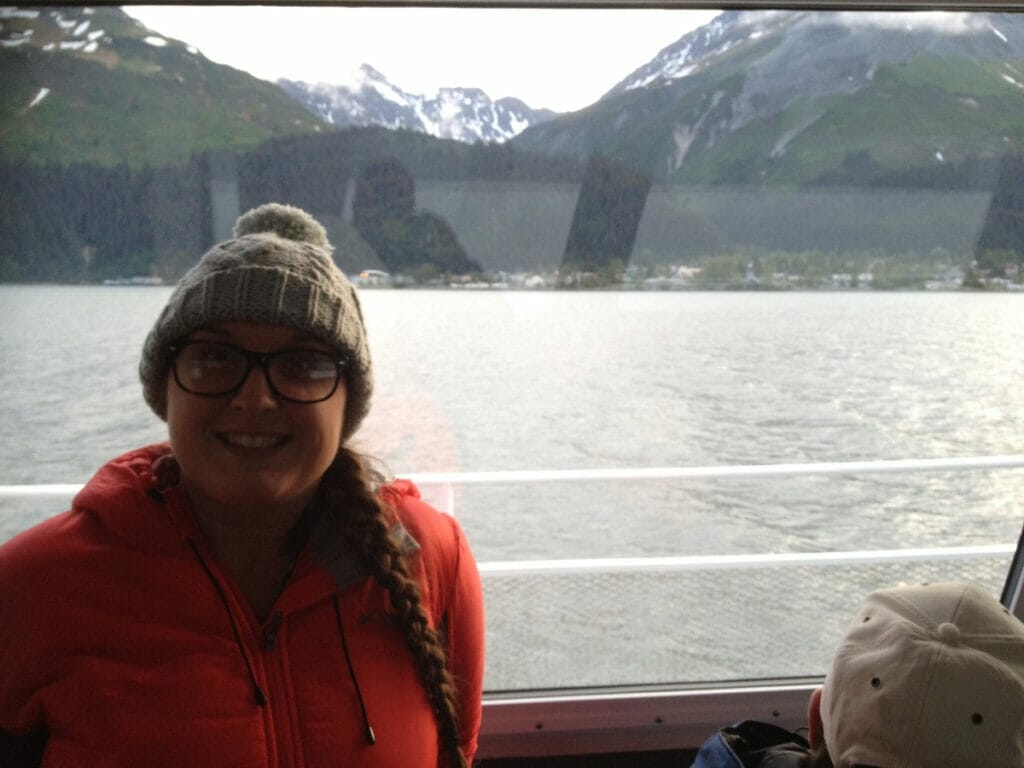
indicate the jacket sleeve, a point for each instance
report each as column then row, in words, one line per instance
column 26, row 631
column 465, row 624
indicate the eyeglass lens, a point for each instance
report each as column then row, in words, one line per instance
column 212, row 368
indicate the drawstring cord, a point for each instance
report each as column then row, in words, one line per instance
column 167, row 474
column 371, row 738
column 258, row 695
column 257, row 692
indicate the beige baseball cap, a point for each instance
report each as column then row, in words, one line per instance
column 928, row 676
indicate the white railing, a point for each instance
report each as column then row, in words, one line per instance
column 444, row 482
column 733, row 562
column 441, row 486
column 526, row 723
column 41, row 490
column 1009, row 461
column 446, row 479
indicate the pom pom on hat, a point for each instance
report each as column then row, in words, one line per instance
column 278, row 269
column 284, row 221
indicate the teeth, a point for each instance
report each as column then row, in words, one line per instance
column 253, row 441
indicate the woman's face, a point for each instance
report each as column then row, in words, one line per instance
column 249, row 451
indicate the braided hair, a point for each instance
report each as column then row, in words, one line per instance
column 348, row 489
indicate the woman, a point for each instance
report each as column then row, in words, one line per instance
column 248, row 594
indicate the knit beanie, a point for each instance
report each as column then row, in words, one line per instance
column 277, row 269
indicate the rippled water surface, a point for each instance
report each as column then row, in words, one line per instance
column 471, row 381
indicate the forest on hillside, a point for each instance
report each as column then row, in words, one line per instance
column 85, row 223
column 405, row 202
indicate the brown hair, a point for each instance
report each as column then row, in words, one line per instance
column 348, row 491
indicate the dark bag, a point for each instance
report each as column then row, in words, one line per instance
column 21, row 751
column 750, row 744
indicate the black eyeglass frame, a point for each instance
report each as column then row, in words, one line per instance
column 253, row 360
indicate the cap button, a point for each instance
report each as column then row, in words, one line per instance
column 949, row 633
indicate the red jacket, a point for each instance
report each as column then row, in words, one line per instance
column 125, row 641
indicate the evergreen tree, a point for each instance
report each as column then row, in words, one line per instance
column 384, row 212
column 1003, row 229
column 607, row 217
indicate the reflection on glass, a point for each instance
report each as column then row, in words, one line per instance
column 773, row 237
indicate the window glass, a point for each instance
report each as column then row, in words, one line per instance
column 698, row 351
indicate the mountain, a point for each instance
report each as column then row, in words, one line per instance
column 776, row 97
column 95, row 85
column 464, row 114
column 81, row 84
column 152, row 149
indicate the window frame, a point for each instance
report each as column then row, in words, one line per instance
column 649, row 718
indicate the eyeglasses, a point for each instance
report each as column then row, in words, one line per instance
column 213, row 369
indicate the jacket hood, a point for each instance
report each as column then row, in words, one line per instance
column 137, row 495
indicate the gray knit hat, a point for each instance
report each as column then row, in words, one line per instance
column 278, row 269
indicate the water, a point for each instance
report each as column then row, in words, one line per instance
column 472, row 381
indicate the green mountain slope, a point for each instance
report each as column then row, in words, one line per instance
column 925, row 116
column 788, row 100
column 114, row 93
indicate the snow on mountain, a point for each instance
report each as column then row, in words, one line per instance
column 366, row 98
column 369, row 98
column 813, row 52
column 74, row 34
column 786, row 56
column 758, row 96
column 73, row 29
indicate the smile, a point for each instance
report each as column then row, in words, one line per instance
column 243, row 440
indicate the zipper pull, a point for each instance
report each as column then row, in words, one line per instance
column 269, row 637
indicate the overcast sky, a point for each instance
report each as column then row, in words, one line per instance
column 561, row 59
